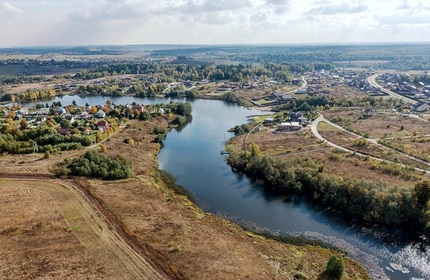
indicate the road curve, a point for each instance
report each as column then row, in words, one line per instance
column 314, row 129
column 372, row 81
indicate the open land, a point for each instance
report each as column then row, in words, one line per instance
column 146, row 228
column 182, row 241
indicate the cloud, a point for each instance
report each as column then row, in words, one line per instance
column 278, row 2
column 208, row 6
column 9, row 11
column 333, row 9
column 404, row 19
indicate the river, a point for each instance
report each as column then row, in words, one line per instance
column 192, row 155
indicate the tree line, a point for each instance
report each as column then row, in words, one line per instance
column 362, row 200
column 232, row 72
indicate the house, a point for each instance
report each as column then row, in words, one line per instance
column 421, row 107
column 268, row 121
column 289, row 126
column 61, row 111
column 84, row 115
column 40, row 120
column 102, row 125
column 303, row 120
column 368, row 113
column 87, row 131
column 100, row 114
column 138, row 107
column 281, row 97
column 22, row 112
column 296, row 115
column 70, row 118
column 43, row 111
column 63, row 131
column 302, row 91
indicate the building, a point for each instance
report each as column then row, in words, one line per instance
column 289, row 126
column 102, row 125
column 421, row 107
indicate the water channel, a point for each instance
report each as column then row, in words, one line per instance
column 192, row 156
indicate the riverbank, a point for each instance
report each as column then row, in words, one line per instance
column 169, row 229
column 189, row 242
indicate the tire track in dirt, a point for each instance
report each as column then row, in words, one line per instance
column 110, row 237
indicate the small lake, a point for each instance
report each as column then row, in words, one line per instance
column 192, row 155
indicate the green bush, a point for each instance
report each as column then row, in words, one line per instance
column 335, row 267
column 96, row 165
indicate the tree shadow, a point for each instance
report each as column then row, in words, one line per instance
column 326, row 276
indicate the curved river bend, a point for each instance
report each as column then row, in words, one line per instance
column 192, row 156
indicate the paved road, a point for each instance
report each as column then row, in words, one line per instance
column 372, row 81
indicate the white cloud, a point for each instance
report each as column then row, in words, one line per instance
column 77, row 22
column 342, row 8
column 9, row 11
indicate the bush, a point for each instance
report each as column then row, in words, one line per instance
column 335, row 267
column 159, row 138
column 96, row 165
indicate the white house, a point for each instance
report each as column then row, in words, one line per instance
column 289, row 126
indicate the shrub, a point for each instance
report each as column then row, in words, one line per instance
column 159, row 138
column 103, row 148
column 96, row 165
column 335, row 267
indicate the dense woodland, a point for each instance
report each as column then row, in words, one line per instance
column 194, row 72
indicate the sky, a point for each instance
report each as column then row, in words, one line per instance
column 122, row 22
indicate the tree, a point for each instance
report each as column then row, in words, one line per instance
column 47, row 155
column 23, row 124
column 255, row 150
column 144, row 116
column 421, row 195
column 103, row 148
column 184, row 109
column 335, row 267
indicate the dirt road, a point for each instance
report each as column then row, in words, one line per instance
column 96, row 230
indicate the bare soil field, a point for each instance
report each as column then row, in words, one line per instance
column 167, row 228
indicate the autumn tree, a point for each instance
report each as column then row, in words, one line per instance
column 23, row 124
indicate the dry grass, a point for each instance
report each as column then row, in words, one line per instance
column 180, row 237
column 43, row 235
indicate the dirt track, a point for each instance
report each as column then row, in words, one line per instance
column 95, row 232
